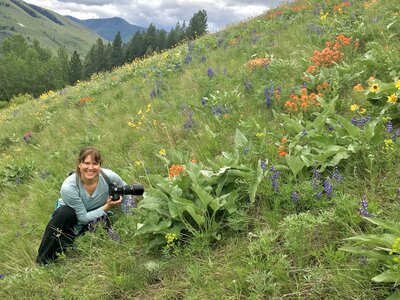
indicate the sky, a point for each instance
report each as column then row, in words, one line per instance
column 162, row 13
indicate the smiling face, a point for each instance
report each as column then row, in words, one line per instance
column 89, row 164
column 89, row 169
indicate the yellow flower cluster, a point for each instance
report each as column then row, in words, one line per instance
column 395, row 250
column 170, row 237
column 388, row 144
column 137, row 123
column 357, row 108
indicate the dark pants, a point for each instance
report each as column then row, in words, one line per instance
column 58, row 235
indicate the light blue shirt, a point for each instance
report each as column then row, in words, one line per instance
column 87, row 207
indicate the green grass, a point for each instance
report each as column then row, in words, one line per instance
column 49, row 34
column 282, row 249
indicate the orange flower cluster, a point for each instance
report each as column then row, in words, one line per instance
column 282, row 148
column 330, row 54
column 302, row 102
column 176, row 170
column 257, row 62
column 322, row 86
column 340, row 6
column 358, row 88
column 85, row 100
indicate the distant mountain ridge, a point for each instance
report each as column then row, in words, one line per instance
column 49, row 28
column 107, row 28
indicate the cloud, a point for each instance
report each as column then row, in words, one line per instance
column 162, row 13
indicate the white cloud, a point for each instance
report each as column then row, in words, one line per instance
column 162, row 13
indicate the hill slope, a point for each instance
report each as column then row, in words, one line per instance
column 49, row 28
column 261, row 148
column 108, row 28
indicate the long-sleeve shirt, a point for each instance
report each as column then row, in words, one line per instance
column 87, row 207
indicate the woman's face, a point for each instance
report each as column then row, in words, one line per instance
column 89, row 169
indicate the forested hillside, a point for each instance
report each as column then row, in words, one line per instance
column 269, row 152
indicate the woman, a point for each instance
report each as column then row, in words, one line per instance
column 84, row 198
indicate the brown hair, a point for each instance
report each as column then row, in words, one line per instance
column 85, row 152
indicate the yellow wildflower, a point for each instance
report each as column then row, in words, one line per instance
column 138, row 163
column 354, row 107
column 398, row 84
column 392, row 99
column 374, row 88
column 259, row 134
column 162, row 152
column 323, row 16
column 148, row 109
column 388, row 144
column 362, row 111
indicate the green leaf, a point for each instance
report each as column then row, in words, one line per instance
column 240, row 140
column 186, row 205
column 385, row 240
column 258, row 175
column 296, row 164
column 204, row 196
column 388, row 276
column 385, row 224
column 352, row 130
column 377, row 254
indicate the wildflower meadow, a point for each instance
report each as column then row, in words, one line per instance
column 269, row 152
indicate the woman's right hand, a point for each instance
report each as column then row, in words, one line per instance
column 111, row 203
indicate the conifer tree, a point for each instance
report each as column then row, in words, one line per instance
column 74, row 68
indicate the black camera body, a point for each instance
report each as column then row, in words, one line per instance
column 116, row 191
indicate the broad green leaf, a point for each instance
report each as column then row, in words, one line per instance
column 186, row 205
column 240, row 140
column 388, row 276
column 395, row 227
column 385, row 240
column 258, row 175
column 379, row 255
column 352, row 130
column 296, row 164
column 204, row 196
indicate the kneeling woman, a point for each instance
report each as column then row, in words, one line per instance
column 84, row 198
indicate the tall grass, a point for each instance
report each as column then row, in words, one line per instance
column 188, row 103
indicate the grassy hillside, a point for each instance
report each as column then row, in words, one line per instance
column 49, row 28
column 262, row 148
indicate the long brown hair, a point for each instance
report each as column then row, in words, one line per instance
column 85, row 152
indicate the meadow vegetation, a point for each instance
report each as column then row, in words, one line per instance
column 269, row 152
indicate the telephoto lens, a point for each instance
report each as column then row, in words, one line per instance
column 134, row 189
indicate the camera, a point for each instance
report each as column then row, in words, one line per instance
column 116, row 191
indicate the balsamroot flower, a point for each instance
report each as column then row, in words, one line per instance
column 392, row 99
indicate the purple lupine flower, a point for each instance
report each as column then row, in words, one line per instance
column 128, row 204
column 188, row 58
column 315, row 178
column 203, row 59
column 318, row 195
column 113, row 235
column 363, row 210
column 263, row 165
column 189, row 123
column 389, row 127
column 147, row 170
column 2, row 276
column 210, row 72
column 203, row 100
column 295, row 197
column 336, row 175
column 275, row 178
column 246, row 150
column 328, row 188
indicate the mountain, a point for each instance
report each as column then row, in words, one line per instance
column 49, row 28
column 108, row 28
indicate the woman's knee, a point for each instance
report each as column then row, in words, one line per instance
column 65, row 214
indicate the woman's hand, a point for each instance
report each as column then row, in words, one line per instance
column 111, row 203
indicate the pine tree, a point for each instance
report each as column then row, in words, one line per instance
column 75, row 68
column 197, row 25
column 117, row 58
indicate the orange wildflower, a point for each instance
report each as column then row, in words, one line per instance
column 176, row 170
